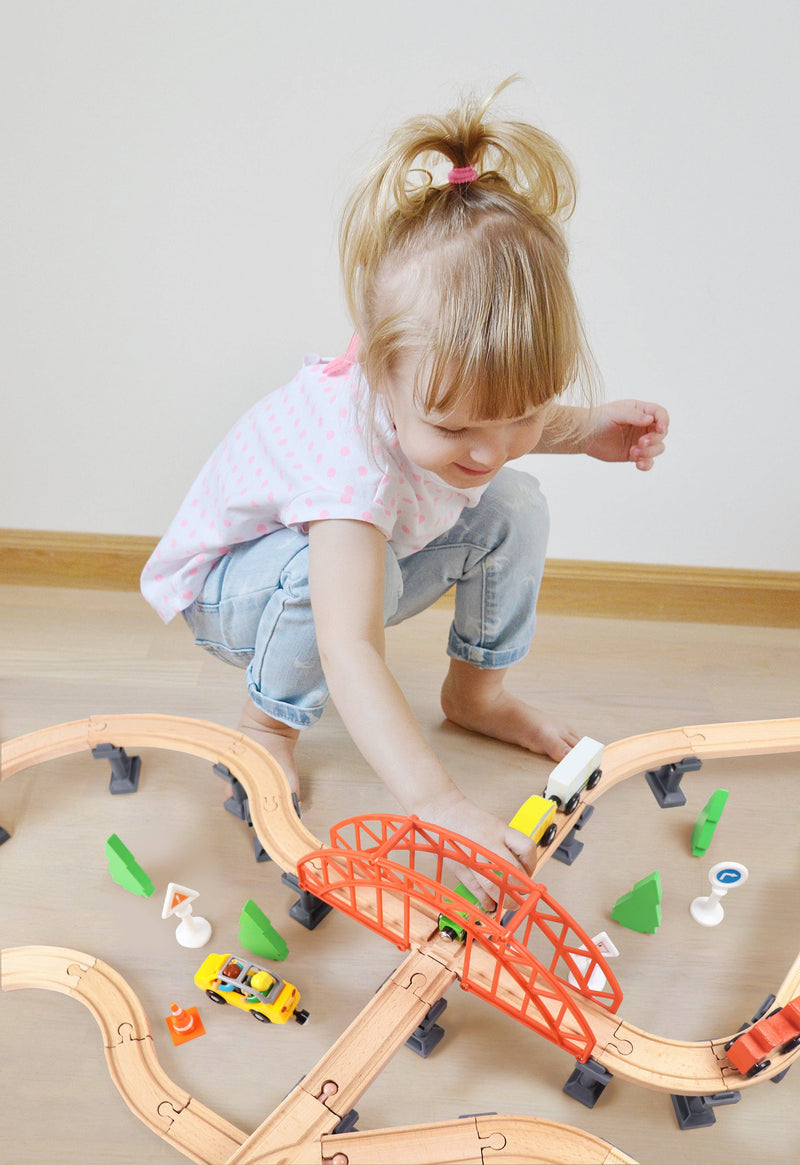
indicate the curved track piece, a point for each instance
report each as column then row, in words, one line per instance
column 201, row 1135
column 130, row 1054
column 675, row 1066
column 649, row 750
column 277, row 825
column 518, row 1140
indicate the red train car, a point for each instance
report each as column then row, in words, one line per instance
column 779, row 1031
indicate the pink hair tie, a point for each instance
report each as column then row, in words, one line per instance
column 460, row 175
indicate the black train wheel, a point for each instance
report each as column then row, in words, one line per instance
column 594, row 778
column 548, row 834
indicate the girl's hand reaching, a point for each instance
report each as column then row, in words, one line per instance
column 627, row 430
column 453, row 810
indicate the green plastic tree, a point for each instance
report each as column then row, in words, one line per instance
column 640, row 908
column 125, row 870
column 258, row 935
column 706, row 822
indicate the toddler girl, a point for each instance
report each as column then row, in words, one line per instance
column 358, row 494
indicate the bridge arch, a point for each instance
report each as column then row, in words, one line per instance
column 386, row 870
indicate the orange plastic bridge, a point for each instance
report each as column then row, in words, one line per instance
column 374, row 870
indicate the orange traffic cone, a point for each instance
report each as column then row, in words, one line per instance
column 184, row 1024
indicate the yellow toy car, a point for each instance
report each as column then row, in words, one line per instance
column 535, row 819
column 268, row 998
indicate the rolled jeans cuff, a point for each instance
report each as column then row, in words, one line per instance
column 288, row 714
column 484, row 657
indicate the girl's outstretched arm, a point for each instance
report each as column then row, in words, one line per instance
column 621, row 430
column 346, row 578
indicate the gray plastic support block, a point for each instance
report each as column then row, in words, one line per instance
column 238, row 805
column 665, row 782
column 124, row 769
column 697, row 1112
column 308, row 910
column 570, row 847
column 588, row 1082
column 348, row 1123
column 428, row 1033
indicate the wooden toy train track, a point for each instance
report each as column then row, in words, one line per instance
column 301, row 1128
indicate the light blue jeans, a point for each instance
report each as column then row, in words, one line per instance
column 254, row 609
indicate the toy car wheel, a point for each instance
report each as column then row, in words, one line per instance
column 594, row 778
column 212, row 995
column 757, row 1069
column 260, row 1017
column 548, row 834
column 572, row 804
column 554, row 798
column 447, row 932
column 790, row 1045
column 301, row 1016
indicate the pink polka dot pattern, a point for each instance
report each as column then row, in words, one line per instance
column 257, row 481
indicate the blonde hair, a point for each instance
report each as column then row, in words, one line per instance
column 470, row 275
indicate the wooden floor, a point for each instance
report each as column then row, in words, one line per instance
column 65, row 655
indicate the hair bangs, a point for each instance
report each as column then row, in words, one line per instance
column 505, row 337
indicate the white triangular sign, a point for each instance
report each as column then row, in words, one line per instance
column 177, row 896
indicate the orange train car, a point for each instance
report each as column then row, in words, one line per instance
column 779, row 1031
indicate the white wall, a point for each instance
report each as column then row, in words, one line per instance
column 174, row 173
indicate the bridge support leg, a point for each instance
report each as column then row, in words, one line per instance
column 308, row 910
column 665, row 782
column 697, row 1112
column 588, row 1082
column 428, row 1033
column 348, row 1123
column 124, row 769
column 570, row 846
column 238, row 805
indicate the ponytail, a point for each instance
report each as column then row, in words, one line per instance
column 473, row 207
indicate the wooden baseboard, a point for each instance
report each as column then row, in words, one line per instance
column 44, row 558
column 570, row 587
column 685, row 594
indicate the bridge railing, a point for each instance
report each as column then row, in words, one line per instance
column 388, row 872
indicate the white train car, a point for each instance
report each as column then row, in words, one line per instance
column 579, row 770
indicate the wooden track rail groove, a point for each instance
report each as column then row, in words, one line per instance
column 274, row 819
column 130, row 1054
column 525, row 1140
column 287, row 1136
column 302, row 1123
